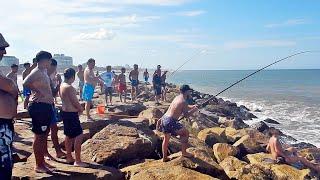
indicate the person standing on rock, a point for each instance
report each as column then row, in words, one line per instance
column 71, row 109
column 26, row 92
column 289, row 155
column 169, row 124
column 13, row 73
column 55, row 86
column 163, row 86
column 40, row 108
column 146, row 76
column 122, row 85
column 90, row 82
column 81, row 79
column 134, row 79
column 8, row 110
column 156, row 80
column 108, row 81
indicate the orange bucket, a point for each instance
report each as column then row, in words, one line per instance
column 101, row 109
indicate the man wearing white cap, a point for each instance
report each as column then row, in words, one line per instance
column 8, row 110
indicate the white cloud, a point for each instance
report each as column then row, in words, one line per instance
column 143, row 2
column 290, row 22
column 190, row 13
column 262, row 43
column 102, row 34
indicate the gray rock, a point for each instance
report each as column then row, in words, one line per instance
column 271, row 121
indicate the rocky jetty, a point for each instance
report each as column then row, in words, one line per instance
column 122, row 144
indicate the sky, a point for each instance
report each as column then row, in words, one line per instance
column 246, row 34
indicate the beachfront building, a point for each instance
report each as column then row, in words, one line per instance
column 63, row 60
column 7, row 61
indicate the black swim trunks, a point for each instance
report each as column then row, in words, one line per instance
column 41, row 115
column 170, row 125
column 6, row 138
column 157, row 90
column 71, row 124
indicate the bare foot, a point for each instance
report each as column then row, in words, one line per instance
column 187, row 155
column 165, row 159
column 61, row 155
column 89, row 119
column 48, row 165
column 70, row 161
column 42, row 170
column 81, row 164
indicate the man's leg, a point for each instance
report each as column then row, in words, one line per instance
column 39, row 149
column 184, row 137
column 125, row 96
column 55, row 140
column 77, row 149
column 106, row 98
column 80, row 94
column 165, row 144
column 120, row 96
column 110, row 96
column 137, row 92
column 87, row 108
column 69, row 143
column 26, row 102
column 132, row 91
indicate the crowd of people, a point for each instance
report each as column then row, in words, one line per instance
column 42, row 83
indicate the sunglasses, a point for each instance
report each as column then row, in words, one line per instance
column 2, row 48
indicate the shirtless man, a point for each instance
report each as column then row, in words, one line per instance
column 134, row 79
column 81, row 80
column 71, row 109
column 26, row 92
column 169, row 124
column 122, row 87
column 8, row 110
column 90, row 82
column 40, row 108
column 13, row 74
column 146, row 76
column 51, row 71
column 290, row 155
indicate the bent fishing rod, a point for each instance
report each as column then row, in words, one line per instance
column 204, row 50
column 296, row 54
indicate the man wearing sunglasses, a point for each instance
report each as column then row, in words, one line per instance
column 8, row 109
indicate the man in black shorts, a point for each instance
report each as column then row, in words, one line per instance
column 8, row 110
column 71, row 109
column 40, row 108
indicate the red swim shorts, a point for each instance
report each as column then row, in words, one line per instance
column 122, row 87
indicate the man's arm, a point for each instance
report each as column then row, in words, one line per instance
column 73, row 98
column 8, row 86
column 130, row 76
column 187, row 111
column 279, row 149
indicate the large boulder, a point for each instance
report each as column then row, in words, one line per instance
column 201, row 163
column 247, row 145
column 25, row 170
column 279, row 171
column 117, row 144
column 234, row 135
column 213, row 135
column 222, row 151
column 236, row 169
column 260, row 126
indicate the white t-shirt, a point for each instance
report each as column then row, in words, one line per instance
column 107, row 77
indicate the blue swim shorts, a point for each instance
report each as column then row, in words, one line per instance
column 26, row 92
column 87, row 92
column 134, row 83
column 170, row 125
column 55, row 118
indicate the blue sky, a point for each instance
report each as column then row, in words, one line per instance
column 244, row 34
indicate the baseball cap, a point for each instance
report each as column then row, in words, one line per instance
column 3, row 42
column 185, row 88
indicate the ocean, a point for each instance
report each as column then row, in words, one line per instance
column 291, row 97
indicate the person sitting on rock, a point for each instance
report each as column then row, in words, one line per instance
column 71, row 108
column 289, row 155
column 169, row 124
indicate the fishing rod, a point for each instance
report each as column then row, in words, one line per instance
column 204, row 50
column 207, row 101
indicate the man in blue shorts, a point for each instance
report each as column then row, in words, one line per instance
column 157, row 86
column 26, row 92
column 90, row 82
column 169, row 124
column 134, row 78
column 8, row 109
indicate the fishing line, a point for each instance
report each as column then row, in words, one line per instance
column 204, row 50
column 207, row 101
